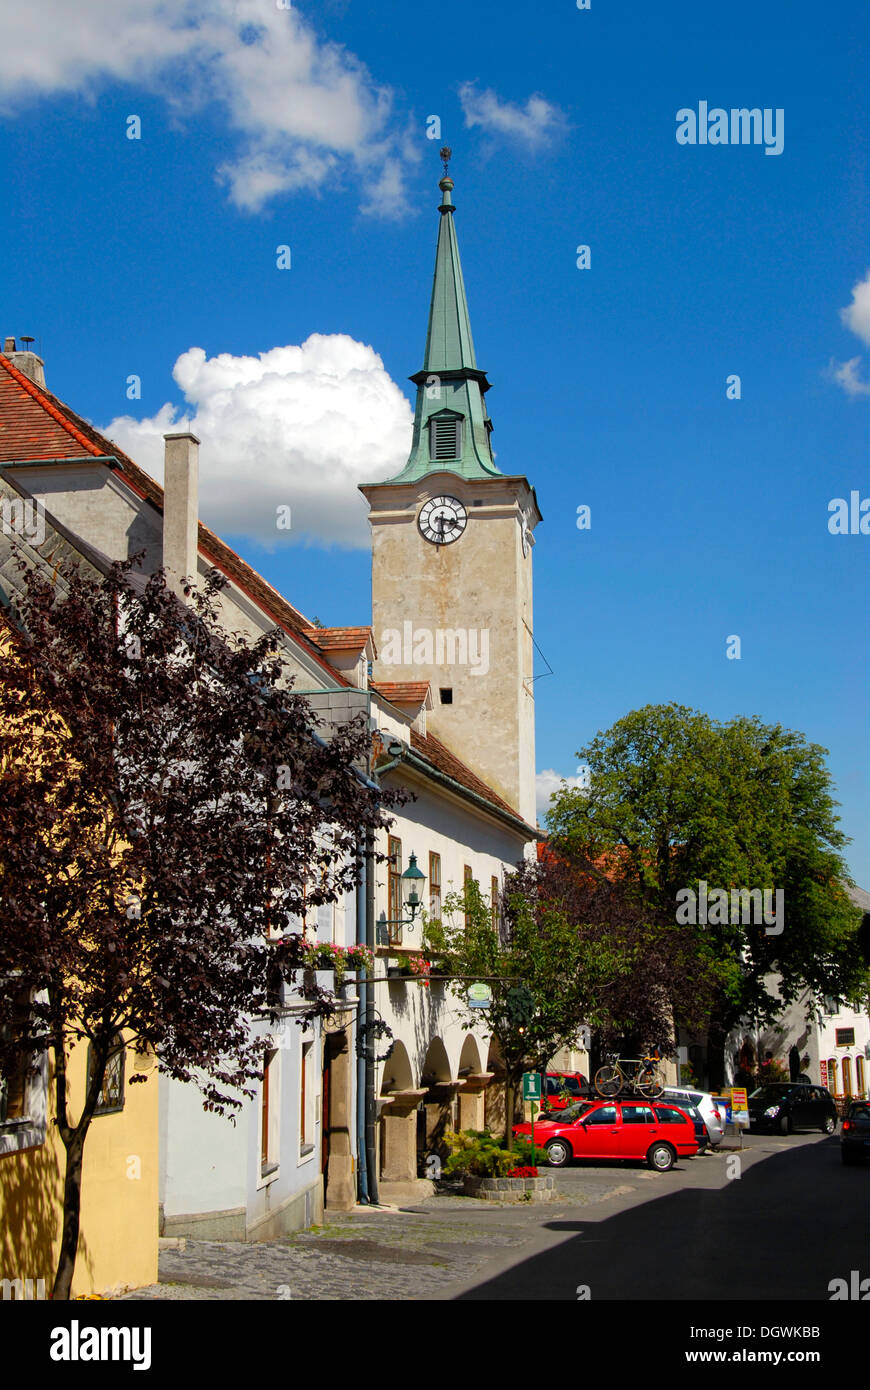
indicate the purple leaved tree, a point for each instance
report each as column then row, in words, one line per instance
column 166, row 809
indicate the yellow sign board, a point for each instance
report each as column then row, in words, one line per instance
column 739, row 1106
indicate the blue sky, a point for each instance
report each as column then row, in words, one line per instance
column 263, row 127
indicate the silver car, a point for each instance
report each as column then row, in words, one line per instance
column 704, row 1102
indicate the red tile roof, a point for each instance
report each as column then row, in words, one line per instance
column 340, row 639
column 32, row 423
column 402, row 692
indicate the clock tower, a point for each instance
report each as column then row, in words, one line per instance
column 452, row 540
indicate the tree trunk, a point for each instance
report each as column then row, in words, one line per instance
column 72, row 1201
column 508, row 1111
column 74, row 1143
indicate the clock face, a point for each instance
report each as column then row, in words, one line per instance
column 442, row 520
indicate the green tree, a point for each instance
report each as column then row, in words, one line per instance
column 676, row 798
column 568, row 948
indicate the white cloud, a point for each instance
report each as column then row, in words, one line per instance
column 534, row 124
column 297, row 426
column 848, row 375
column 306, row 110
column 548, row 782
column 856, row 315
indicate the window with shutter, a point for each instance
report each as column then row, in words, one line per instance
column 445, row 437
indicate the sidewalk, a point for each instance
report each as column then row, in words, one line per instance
column 377, row 1253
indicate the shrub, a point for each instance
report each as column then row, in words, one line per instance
column 527, row 1155
column 477, row 1152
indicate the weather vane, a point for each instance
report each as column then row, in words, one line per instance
column 445, row 153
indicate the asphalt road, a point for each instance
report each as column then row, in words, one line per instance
column 794, row 1219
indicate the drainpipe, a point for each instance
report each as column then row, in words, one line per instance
column 362, row 1165
column 370, row 1102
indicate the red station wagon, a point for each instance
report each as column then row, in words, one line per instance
column 658, row 1132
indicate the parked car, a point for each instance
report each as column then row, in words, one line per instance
column 787, row 1106
column 704, row 1102
column 697, row 1119
column 721, row 1105
column 605, row 1129
column 563, row 1088
column 855, row 1134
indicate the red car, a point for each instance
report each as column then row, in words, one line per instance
column 627, row 1129
column 563, row 1088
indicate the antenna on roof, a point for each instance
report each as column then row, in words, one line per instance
column 25, row 339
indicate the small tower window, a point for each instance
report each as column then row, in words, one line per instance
column 446, row 695
column 445, row 437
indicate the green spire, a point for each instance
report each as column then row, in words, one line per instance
column 451, row 422
column 448, row 339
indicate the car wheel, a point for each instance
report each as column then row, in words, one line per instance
column 661, row 1157
column 558, row 1153
column 829, row 1126
column 785, row 1125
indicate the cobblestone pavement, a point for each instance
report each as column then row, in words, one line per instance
column 387, row 1253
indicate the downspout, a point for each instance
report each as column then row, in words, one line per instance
column 361, row 934
column 371, row 1105
column 370, row 1047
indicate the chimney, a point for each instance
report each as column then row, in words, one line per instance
column 180, row 509
column 26, row 361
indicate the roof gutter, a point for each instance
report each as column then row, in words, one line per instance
column 427, row 770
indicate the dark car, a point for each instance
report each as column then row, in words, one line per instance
column 787, row 1106
column 855, row 1134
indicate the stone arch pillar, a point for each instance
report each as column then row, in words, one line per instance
column 472, row 1097
column 399, row 1102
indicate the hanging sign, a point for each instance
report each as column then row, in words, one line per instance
column 479, row 996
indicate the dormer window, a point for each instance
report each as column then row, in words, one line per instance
column 445, row 436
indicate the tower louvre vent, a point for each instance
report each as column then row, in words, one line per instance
column 445, row 437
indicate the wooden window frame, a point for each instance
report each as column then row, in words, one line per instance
column 269, row 1145
column 394, row 889
column 306, row 1102
column 434, row 885
column 119, row 1059
column 467, row 877
column 27, row 1130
